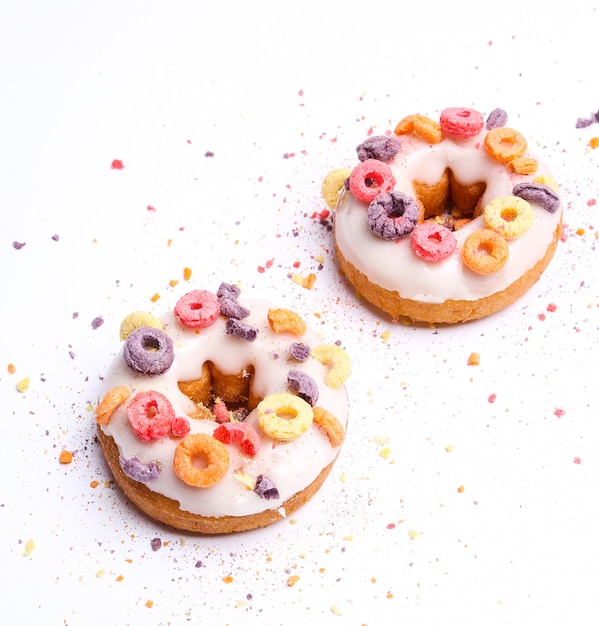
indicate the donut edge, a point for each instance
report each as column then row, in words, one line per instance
column 450, row 311
column 166, row 510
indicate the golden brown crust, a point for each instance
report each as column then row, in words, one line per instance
column 450, row 311
column 167, row 511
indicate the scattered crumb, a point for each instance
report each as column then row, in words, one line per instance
column 413, row 534
column 11, row 369
column 449, row 448
column 461, row 489
column 385, row 336
column 227, row 579
column 155, row 297
column 116, row 164
column 335, row 610
column 65, row 457
column 149, row 603
column 187, row 273
column 29, row 547
column 23, row 384
column 474, row 358
column 292, row 580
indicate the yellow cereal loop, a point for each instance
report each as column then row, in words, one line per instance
column 338, row 359
column 330, row 424
column 136, row 320
column 284, row 320
column 284, row 417
column 547, row 180
column 332, row 185
column 509, row 216
column 110, row 403
column 201, row 445
column 485, row 251
column 505, row 144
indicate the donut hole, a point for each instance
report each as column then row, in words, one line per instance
column 150, row 344
column 214, row 385
column 485, row 249
column 199, row 460
column 449, row 199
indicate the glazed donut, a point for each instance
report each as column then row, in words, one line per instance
column 242, row 425
column 467, row 175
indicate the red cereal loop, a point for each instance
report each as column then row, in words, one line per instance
column 460, row 122
column 240, row 433
column 150, row 414
column 369, row 178
column 197, row 309
column 432, row 241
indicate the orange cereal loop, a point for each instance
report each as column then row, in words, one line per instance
column 523, row 165
column 485, row 251
column 195, row 447
column 424, row 127
column 330, row 424
column 505, row 144
column 112, row 400
column 284, row 320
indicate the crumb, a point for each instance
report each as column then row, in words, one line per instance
column 116, row 164
column 23, row 384
column 292, row 580
column 413, row 534
column 29, row 547
column 187, row 273
column 97, row 322
column 461, row 489
column 65, row 457
column 149, row 603
column 155, row 297
column 17, row 245
column 474, row 358
column 94, row 484
column 11, row 369
column 227, row 579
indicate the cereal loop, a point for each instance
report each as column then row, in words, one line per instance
column 333, row 184
column 485, row 251
column 432, row 241
column 337, row 358
column 110, row 403
column 508, row 216
column 150, row 414
column 136, row 320
column 274, row 410
column 460, row 122
column 504, row 144
column 198, row 446
column 523, row 165
column 197, row 309
column 330, row 424
column 284, row 320
column 240, row 434
column 422, row 126
column 369, row 178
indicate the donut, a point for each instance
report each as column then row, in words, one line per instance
column 468, row 174
column 222, row 423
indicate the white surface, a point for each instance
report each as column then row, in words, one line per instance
column 157, row 85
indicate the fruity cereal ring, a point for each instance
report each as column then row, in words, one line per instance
column 197, row 309
column 196, row 446
column 331, row 354
column 485, row 251
column 461, row 122
column 369, row 178
column 150, row 414
column 330, row 424
column 279, row 428
column 508, row 216
column 432, row 241
column 505, row 144
column 332, row 184
column 284, row 320
column 110, row 403
column 422, row 126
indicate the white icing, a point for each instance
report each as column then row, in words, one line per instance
column 291, row 466
column 394, row 265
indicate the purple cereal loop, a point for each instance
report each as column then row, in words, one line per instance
column 226, row 290
column 541, row 194
column 380, row 147
column 141, row 472
column 303, row 386
column 148, row 351
column 232, row 308
column 299, row 351
column 265, row 488
column 497, row 118
column 240, row 330
column 393, row 215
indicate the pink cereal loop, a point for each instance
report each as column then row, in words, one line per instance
column 197, row 309
column 369, row 178
column 150, row 415
column 461, row 122
column 432, row 241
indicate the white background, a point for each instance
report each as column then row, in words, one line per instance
column 282, row 93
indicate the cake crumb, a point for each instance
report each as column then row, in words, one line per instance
column 187, row 271
column 11, row 369
column 292, row 580
column 29, row 547
column 335, row 610
column 413, row 534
